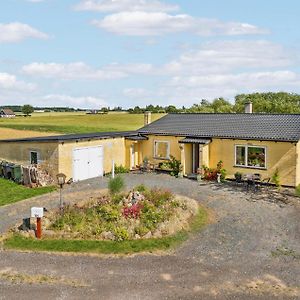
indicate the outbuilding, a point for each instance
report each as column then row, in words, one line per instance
column 7, row 113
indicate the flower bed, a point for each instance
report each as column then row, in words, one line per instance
column 139, row 214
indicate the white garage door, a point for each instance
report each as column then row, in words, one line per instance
column 87, row 163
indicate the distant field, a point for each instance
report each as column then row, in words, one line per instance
column 77, row 122
column 8, row 133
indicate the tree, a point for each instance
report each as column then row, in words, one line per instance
column 104, row 110
column 220, row 105
column 27, row 109
column 269, row 102
column 171, row 109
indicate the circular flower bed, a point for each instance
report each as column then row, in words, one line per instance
column 141, row 213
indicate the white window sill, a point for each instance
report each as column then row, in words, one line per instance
column 250, row 167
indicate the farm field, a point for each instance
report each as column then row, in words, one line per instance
column 8, row 133
column 76, row 122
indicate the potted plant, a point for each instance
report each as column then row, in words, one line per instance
column 199, row 174
column 238, row 176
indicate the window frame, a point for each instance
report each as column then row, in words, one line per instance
column 37, row 156
column 246, row 156
column 168, row 150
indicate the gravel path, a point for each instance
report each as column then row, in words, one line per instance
column 230, row 259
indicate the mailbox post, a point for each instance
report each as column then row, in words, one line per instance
column 38, row 213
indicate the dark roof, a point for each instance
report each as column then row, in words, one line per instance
column 278, row 127
column 191, row 140
column 7, row 111
column 74, row 137
column 136, row 138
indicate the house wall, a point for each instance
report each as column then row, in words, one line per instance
column 147, row 147
column 281, row 155
column 113, row 149
column 19, row 153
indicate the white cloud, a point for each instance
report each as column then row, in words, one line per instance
column 82, row 71
column 224, row 56
column 16, row 32
column 71, row 71
column 67, row 100
column 190, row 89
column 141, row 23
column 35, row 1
column 125, row 5
column 10, row 82
column 135, row 92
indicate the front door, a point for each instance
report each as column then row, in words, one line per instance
column 195, row 158
column 132, row 157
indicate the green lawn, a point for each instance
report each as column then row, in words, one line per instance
column 106, row 247
column 11, row 192
column 77, row 122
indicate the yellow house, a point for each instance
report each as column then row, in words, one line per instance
column 247, row 143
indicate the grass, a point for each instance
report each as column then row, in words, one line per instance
column 77, row 122
column 11, row 192
column 107, row 247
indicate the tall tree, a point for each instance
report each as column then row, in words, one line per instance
column 27, row 109
column 269, row 102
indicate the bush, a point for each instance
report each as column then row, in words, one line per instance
column 141, row 230
column 275, row 178
column 212, row 173
column 121, row 169
column 120, row 233
column 109, row 213
column 297, row 191
column 115, row 185
column 158, row 196
column 173, row 164
column 141, row 188
column 151, row 216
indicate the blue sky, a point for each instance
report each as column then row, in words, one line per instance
column 93, row 53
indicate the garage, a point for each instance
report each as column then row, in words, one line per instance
column 87, row 162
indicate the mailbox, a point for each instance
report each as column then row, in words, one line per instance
column 37, row 212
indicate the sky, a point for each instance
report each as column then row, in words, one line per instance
column 95, row 53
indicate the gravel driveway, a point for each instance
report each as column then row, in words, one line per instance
column 251, row 251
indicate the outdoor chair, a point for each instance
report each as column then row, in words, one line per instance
column 253, row 181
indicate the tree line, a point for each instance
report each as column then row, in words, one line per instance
column 262, row 103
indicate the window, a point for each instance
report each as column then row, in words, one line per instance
column 250, row 156
column 161, row 150
column 33, row 158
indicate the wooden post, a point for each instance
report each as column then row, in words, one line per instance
column 38, row 228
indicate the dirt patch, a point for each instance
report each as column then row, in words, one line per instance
column 16, row 277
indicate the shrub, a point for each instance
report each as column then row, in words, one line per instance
column 151, row 216
column 173, row 164
column 212, row 173
column 115, row 185
column 132, row 212
column 158, row 196
column 141, row 230
column 120, row 233
column 275, row 178
column 109, row 213
column 121, row 169
column 297, row 191
column 141, row 188
column 117, row 198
